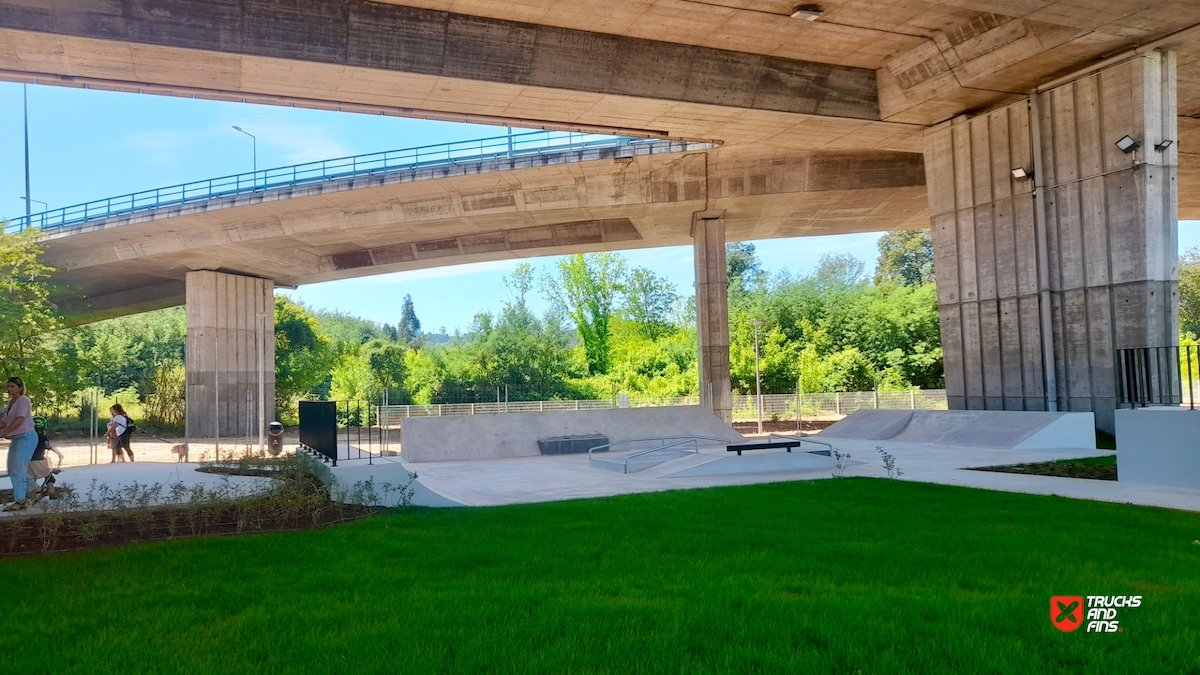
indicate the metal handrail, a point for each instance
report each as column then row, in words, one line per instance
column 530, row 144
column 798, row 438
column 662, row 439
column 679, row 440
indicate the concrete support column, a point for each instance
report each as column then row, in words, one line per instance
column 226, row 314
column 712, row 316
column 1059, row 271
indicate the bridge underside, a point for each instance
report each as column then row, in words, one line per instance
column 824, row 125
column 374, row 225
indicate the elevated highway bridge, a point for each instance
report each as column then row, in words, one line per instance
column 1056, row 140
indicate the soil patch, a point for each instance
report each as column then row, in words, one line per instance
column 781, row 427
column 1093, row 468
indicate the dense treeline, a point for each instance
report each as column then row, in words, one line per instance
column 609, row 328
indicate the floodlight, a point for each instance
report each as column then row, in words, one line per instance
column 1164, row 145
column 1020, row 173
column 807, row 12
column 1127, row 145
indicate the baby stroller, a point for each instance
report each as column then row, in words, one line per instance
column 39, row 466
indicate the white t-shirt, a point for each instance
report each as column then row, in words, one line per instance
column 121, row 423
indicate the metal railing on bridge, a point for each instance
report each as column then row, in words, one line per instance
column 507, row 147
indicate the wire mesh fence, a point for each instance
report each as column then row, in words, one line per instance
column 775, row 406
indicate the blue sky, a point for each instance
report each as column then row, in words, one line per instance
column 87, row 144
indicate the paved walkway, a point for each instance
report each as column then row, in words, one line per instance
column 145, row 474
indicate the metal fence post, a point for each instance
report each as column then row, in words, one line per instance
column 912, row 399
column 837, row 403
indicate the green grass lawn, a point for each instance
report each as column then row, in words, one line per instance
column 833, row 576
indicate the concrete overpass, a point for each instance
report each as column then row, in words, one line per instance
column 1040, row 279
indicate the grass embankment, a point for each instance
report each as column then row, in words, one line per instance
column 844, row 576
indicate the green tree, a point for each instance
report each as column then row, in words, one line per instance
column 649, row 301
column 1189, row 291
column 905, row 257
column 410, row 326
column 27, row 319
column 742, row 267
column 387, row 363
column 304, row 356
column 587, row 287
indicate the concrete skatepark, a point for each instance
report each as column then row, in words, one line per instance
column 475, row 480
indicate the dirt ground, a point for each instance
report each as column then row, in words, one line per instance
column 781, row 427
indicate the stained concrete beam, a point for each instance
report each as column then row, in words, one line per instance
column 359, row 33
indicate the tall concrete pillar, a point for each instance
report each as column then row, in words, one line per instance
column 1042, row 279
column 712, row 316
column 226, row 315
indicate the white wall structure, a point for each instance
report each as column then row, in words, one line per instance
column 1059, row 270
column 432, row 439
column 1159, row 446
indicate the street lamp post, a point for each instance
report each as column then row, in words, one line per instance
column 28, row 202
column 45, row 206
column 254, row 146
column 757, row 378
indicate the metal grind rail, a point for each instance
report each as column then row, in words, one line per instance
column 675, row 441
column 773, row 436
column 515, row 146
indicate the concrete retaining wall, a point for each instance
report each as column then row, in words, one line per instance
column 434, row 439
column 1159, row 446
column 970, row 428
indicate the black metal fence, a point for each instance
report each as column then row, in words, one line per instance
column 318, row 428
column 342, row 430
column 1157, row 376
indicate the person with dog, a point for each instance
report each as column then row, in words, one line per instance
column 121, row 427
column 17, row 426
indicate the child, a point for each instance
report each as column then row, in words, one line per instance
column 39, row 466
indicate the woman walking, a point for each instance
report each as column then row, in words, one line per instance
column 122, row 430
column 17, row 426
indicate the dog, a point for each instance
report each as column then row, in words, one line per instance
column 180, row 449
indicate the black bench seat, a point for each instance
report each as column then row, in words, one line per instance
column 775, row 445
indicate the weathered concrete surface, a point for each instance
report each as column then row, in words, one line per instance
column 1158, row 446
column 470, row 437
column 1111, row 240
column 223, row 331
column 995, row 429
column 712, row 315
column 497, row 210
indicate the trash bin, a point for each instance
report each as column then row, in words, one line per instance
column 275, row 438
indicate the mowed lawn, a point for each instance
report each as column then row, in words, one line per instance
column 832, row 576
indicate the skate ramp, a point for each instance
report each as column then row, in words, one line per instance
column 994, row 429
column 470, row 437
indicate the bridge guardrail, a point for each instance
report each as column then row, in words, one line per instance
column 515, row 146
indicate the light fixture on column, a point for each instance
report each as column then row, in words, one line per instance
column 1128, row 145
column 1021, row 174
column 1163, row 145
column 807, row 12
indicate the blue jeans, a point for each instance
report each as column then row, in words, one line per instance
column 20, row 452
